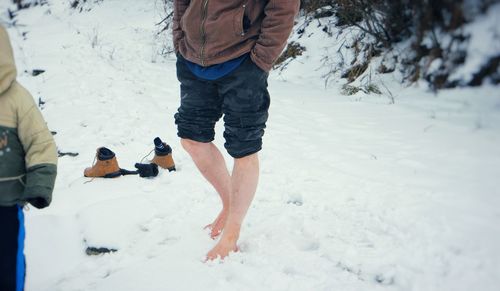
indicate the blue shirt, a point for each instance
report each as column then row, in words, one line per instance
column 217, row 71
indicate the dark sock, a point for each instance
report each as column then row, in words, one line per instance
column 105, row 154
column 147, row 170
column 161, row 148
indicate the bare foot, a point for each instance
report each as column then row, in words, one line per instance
column 217, row 226
column 226, row 244
column 222, row 249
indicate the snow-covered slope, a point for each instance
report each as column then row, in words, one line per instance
column 356, row 193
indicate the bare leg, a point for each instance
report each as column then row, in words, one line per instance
column 212, row 166
column 244, row 181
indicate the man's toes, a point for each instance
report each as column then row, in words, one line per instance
column 211, row 256
column 215, row 233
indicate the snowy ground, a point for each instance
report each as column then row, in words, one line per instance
column 355, row 194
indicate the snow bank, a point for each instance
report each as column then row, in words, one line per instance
column 356, row 193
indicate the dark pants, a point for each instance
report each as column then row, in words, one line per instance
column 12, row 263
column 241, row 96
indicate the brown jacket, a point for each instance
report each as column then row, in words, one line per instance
column 209, row 32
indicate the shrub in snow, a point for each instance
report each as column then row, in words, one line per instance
column 447, row 43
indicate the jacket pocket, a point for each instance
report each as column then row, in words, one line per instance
column 239, row 20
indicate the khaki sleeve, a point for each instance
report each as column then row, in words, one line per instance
column 40, row 151
column 7, row 65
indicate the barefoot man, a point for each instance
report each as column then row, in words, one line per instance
column 225, row 50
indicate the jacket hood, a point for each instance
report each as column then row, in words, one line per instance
column 7, row 66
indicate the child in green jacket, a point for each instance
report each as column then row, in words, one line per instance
column 28, row 166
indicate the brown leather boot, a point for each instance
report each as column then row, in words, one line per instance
column 106, row 165
column 163, row 155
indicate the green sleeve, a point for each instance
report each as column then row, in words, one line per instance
column 40, row 151
column 40, row 180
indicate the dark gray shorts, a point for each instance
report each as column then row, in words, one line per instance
column 241, row 96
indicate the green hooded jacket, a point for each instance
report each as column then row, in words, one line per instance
column 28, row 155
